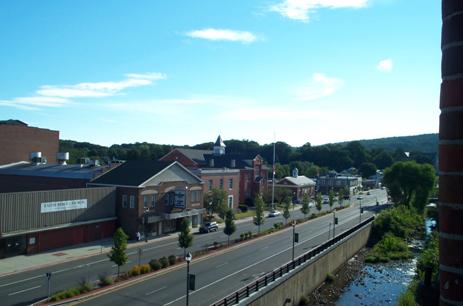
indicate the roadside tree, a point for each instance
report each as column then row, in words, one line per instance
column 215, row 201
column 331, row 198
column 259, row 217
column 318, row 202
column 286, row 213
column 118, row 253
column 185, row 238
column 305, row 209
column 230, row 226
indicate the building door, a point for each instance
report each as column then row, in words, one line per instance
column 13, row 246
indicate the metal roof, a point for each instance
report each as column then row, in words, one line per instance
column 53, row 170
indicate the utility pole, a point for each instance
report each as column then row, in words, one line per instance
column 273, row 175
column 294, row 237
column 361, row 211
column 48, row 275
column 139, row 255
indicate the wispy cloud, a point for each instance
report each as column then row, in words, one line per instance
column 301, row 9
column 320, row 86
column 266, row 114
column 60, row 95
column 223, row 35
column 385, row 65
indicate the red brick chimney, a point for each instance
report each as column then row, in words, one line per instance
column 451, row 155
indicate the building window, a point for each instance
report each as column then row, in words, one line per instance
column 221, row 183
column 196, row 196
column 210, row 184
column 132, row 201
column 180, row 198
column 230, row 183
column 145, row 201
column 124, row 201
column 230, row 201
column 169, row 198
column 153, row 201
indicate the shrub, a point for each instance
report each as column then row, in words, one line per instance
column 164, row 262
column 243, row 208
column 105, row 280
column 249, row 234
column 85, row 286
column 389, row 248
column 155, row 264
column 242, row 236
column 313, row 216
column 278, row 225
column 172, row 260
column 329, row 278
column 145, row 268
column 134, row 271
column 304, row 301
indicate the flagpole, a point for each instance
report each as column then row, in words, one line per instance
column 273, row 176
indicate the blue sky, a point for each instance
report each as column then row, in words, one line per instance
column 182, row 72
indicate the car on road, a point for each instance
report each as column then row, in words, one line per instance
column 368, row 193
column 209, row 227
column 274, row 213
column 359, row 198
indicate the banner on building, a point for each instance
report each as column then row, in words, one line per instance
column 63, row 205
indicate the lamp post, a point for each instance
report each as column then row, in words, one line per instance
column 144, row 223
column 361, row 211
column 294, row 237
column 335, row 221
column 188, row 259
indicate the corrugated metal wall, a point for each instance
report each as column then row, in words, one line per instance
column 20, row 211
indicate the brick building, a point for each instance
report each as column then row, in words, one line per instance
column 247, row 175
column 298, row 185
column 18, row 141
column 153, row 197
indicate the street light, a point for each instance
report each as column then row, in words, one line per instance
column 188, row 259
column 361, row 211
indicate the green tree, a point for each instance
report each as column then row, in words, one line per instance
column 341, row 194
column 185, row 238
column 259, row 217
column 318, row 202
column 410, row 184
column 117, row 253
column 305, row 209
column 215, row 201
column 286, row 213
column 230, row 226
column 367, row 169
column 331, row 198
column 383, row 160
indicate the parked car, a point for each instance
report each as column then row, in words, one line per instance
column 209, row 227
column 274, row 213
column 368, row 193
column 359, row 198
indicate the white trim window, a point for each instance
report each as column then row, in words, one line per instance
column 230, row 201
column 230, row 183
column 132, row 201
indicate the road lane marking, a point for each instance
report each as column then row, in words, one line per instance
column 22, row 280
column 221, row 265
column 154, row 291
column 21, row 291
column 245, row 268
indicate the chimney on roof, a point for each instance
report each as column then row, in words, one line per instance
column 62, row 158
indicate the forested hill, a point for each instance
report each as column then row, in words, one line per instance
column 380, row 153
column 425, row 143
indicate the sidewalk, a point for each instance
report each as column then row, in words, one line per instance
column 22, row 263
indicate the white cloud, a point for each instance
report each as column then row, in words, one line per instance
column 34, row 103
column 385, row 65
column 268, row 113
column 59, row 95
column 301, row 9
column 320, row 86
column 99, row 89
column 223, row 34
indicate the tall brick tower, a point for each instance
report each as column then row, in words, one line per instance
column 451, row 155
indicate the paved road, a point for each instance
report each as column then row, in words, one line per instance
column 220, row 275
column 24, row 288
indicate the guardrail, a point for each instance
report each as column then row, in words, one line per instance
column 244, row 292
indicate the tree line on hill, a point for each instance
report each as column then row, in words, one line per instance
column 310, row 160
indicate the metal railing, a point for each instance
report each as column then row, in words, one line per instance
column 245, row 292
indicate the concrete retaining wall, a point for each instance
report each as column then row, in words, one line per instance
column 289, row 289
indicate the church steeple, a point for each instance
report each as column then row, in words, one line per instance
column 219, row 147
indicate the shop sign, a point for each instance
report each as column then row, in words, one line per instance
column 63, row 205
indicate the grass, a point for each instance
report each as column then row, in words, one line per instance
column 246, row 214
column 389, row 248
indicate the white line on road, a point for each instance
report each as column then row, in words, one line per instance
column 245, row 268
column 22, row 280
column 21, row 291
column 154, row 291
column 221, row 265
